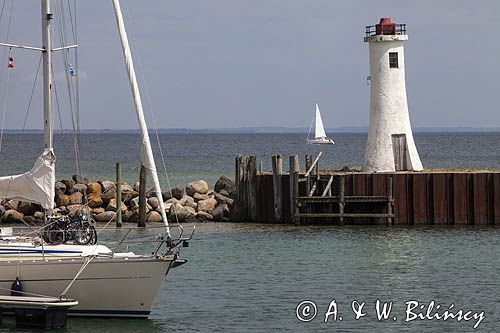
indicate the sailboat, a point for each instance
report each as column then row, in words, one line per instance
column 319, row 131
column 105, row 282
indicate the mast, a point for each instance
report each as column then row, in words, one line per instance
column 147, row 158
column 47, row 73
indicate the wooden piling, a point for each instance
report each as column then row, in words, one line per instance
column 341, row 198
column 389, row 200
column 277, row 164
column 251, row 186
column 118, row 185
column 294, row 184
column 141, row 222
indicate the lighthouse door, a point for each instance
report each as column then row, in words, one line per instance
column 400, row 150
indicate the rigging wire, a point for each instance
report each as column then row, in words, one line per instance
column 150, row 107
column 31, row 96
column 8, row 72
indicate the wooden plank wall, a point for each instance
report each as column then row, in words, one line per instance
column 440, row 198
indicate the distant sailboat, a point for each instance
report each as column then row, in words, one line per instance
column 319, row 131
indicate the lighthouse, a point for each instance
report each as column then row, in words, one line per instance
column 390, row 145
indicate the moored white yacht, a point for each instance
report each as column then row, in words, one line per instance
column 103, row 281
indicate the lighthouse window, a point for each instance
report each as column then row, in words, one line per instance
column 393, row 60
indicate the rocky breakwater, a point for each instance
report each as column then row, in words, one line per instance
column 194, row 202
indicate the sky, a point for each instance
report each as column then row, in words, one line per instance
column 252, row 63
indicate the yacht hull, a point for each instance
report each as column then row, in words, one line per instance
column 107, row 287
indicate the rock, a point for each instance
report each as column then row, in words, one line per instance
column 94, row 188
column 12, row 204
column 224, row 192
column 62, row 200
column 75, row 198
column 126, row 188
column 94, row 199
column 129, row 216
column 12, row 216
column 108, row 195
column 204, row 216
column 60, row 188
column 112, row 206
column 207, row 205
column 179, row 212
column 154, row 216
column 69, row 184
column 80, row 179
column 105, row 216
column 225, row 183
column 98, row 210
column 32, row 220
column 222, row 199
column 107, row 185
column 198, row 197
column 220, row 212
column 198, row 186
column 177, row 193
column 129, row 196
column 39, row 215
column 75, row 210
column 27, row 208
column 136, row 186
column 188, row 201
column 238, row 213
column 2, row 210
column 153, row 202
column 82, row 188
column 134, row 204
column 172, row 200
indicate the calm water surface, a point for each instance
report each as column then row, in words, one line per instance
column 250, row 278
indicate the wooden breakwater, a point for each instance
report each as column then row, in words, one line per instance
column 311, row 195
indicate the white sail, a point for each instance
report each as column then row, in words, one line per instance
column 319, row 130
column 147, row 158
column 36, row 185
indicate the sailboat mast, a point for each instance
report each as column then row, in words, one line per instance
column 147, row 158
column 47, row 73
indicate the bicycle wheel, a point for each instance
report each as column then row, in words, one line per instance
column 84, row 234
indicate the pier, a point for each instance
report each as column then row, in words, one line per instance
column 313, row 196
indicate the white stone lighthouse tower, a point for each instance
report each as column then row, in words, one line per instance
column 390, row 145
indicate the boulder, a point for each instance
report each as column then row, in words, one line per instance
column 134, row 204
column 82, row 188
column 154, row 216
column 222, row 199
column 94, row 188
column 129, row 196
column 75, row 198
column 27, row 208
column 12, row 216
column 106, row 196
column 2, row 210
column 198, row 197
column 98, row 210
column 94, row 200
column 198, row 186
column 126, row 188
column 75, row 210
column 107, row 185
column 136, row 186
column 32, row 220
column 224, row 192
column 177, row 192
column 105, row 216
column 39, row 215
column 112, row 206
column 204, row 216
column 12, row 204
column 69, row 184
column 153, row 202
column 62, row 200
column 225, row 183
column 80, row 179
column 188, row 201
column 238, row 213
column 172, row 200
column 220, row 212
column 60, row 188
column 129, row 216
column 180, row 213
column 207, row 205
